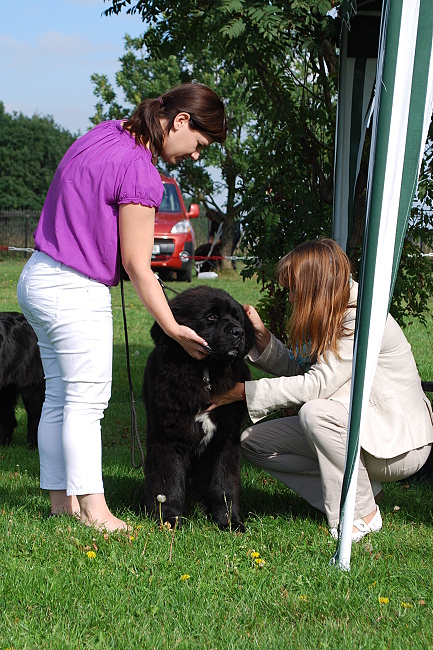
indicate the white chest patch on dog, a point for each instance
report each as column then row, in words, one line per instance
column 208, row 427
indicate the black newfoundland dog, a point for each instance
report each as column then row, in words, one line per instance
column 188, row 451
column 21, row 373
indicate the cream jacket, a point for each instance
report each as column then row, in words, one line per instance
column 399, row 416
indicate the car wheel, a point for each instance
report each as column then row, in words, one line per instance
column 185, row 275
column 166, row 275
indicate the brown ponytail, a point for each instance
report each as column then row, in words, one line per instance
column 206, row 110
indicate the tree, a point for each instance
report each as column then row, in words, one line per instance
column 285, row 54
column 30, row 151
column 144, row 74
column 287, row 51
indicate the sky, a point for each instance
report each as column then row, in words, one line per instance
column 48, row 51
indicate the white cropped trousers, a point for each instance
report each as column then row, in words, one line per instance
column 71, row 315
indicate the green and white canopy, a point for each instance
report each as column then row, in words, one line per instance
column 400, row 76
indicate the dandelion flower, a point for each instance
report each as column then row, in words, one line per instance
column 407, row 605
column 254, row 554
column 303, row 597
column 383, row 601
column 161, row 498
column 185, row 576
column 91, row 554
column 131, row 537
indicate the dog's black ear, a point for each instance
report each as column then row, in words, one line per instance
column 249, row 333
column 160, row 338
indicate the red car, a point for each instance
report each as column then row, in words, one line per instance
column 174, row 242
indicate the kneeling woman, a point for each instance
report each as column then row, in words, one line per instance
column 307, row 451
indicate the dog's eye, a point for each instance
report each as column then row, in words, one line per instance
column 212, row 317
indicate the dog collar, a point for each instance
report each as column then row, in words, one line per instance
column 206, row 379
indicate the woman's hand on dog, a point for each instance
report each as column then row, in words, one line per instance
column 262, row 334
column 191, row 342
column 235, row 394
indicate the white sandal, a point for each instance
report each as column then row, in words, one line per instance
column 363, row 528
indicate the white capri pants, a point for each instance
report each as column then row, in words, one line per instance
column 71, row 315
column 307, row 453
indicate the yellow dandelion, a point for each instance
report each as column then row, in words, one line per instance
column 185, row 576
column 407, row 605
column 131, row 537
column 383, row 601
column 302, row 597
column 91, row 554
column 254, row 554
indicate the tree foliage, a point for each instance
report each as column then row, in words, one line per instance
column 30, row 151
column 286, row 52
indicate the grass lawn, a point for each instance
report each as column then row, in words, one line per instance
column 64, row 586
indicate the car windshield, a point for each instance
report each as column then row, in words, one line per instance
column 170, row 200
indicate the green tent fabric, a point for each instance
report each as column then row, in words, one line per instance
column 357, row 74
column 401, row 117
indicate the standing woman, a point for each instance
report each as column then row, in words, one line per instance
column 307, row 451
column 100, row 210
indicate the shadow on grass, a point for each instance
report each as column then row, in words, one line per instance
column 283, row 503
column 19, row 478
column 262, row 495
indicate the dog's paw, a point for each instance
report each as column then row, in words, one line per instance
column 165, row 519
column 233, row 526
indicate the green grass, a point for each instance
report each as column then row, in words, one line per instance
column 131, row 594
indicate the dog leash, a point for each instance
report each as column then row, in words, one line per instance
column 135, row 437
column 164, row 287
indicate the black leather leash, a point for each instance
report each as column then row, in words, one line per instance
column 164, row 287
column 135, row 437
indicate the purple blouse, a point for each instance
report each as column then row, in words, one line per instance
column 79, row 221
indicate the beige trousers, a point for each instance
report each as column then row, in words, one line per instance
column 307, row 453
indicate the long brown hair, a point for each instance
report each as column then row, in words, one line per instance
column 317, row 273
column 206, row 110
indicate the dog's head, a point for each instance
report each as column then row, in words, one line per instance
column 215, row 316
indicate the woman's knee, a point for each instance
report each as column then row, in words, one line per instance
column 317, row 417
column 246, row 439
column 253, row 444
column 311, row 416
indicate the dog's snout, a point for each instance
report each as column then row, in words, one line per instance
column 236, row 332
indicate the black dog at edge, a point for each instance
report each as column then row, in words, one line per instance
column 21, row 373
column 186, row 450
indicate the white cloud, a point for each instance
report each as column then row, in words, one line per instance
column 56, row 44
column 50, row 48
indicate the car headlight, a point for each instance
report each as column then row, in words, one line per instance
column 181, row 227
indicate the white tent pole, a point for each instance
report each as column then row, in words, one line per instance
column 405, row 83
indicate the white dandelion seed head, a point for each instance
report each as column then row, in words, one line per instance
column 161, row 498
